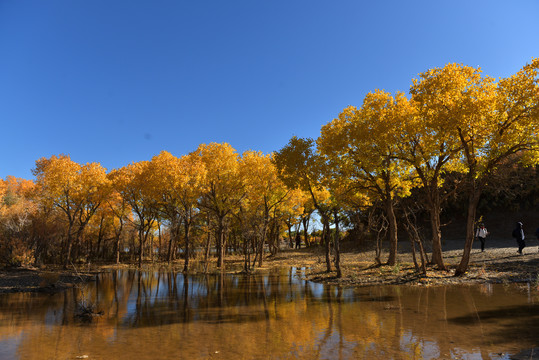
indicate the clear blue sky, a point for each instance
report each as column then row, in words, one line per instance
column 119, row 81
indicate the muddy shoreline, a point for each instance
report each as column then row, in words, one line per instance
column 49, row 280
column 499, row 263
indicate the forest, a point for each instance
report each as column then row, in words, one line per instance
column 456, row 138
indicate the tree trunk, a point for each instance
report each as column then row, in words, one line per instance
column 141, row 246
column 272, row 239
column 290, row 240
column 100, row 237
column 151, row 247
column 132, row 246
column 171, row 238
column 160, row 244
column 68, row 251
column 69, row 245
column 144, row 232
column 434, row 211
column 187, row 241
column 246, row 255
column 208, row 247
column 260, row 251
column 327, row 243
column 117, row 250
column 220, row 242
column 305, row 230
column 262, row 241
column 392, row 259
column 473, row 200
column 277, row 240
column 337, row 245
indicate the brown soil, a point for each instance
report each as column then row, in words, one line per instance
column 499, row 263
column 39, row 280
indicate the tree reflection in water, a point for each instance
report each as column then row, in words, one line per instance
column 165, row 314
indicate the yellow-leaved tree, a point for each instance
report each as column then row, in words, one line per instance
column 222, row 188
column 77, row 190
column 17, row 208
column 133, row 183
column 264, row 191
column 177, row 183
column 487, row 121
column 164, row 172
column 301, row 167
column 119, row 209
column 425, row 144
column 361, row 146
column 452, row 102
column 508, row 124
column 291, row 209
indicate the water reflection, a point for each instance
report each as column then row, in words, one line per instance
column 168, row 315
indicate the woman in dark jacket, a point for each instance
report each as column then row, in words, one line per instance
column 518, row 234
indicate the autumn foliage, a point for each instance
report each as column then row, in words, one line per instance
column 454, row 122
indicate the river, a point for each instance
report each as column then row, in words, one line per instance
column 166, row 315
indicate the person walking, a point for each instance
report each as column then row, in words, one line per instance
column 481, row 234
column 298, row 240
column 518, row 234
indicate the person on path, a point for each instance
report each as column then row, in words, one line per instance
column 298, row 240
column 518, row 234
column 481, row 234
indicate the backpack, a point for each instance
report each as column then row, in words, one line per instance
column 516, row 233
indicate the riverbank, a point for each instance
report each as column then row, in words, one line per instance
column 499, row 263
column 50, row 280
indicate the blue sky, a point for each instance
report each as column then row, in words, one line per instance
column 119, row 81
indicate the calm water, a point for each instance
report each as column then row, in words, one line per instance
column 164, row 315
